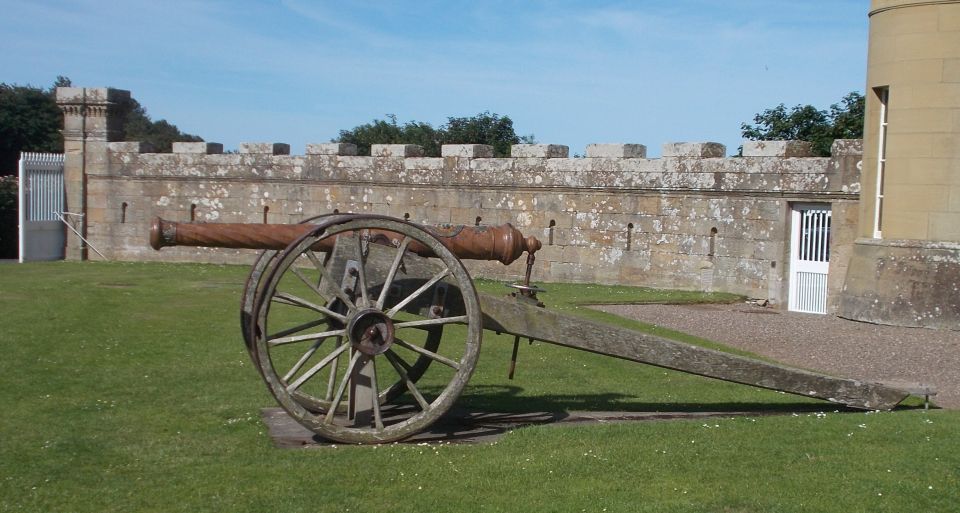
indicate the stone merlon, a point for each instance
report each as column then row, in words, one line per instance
column 694, row 149
column 201, row 148
column 396, row 150
column 617, row 151
column 342, row 149
column 777, row 149
column 467, row 150
column 265, row 148
column 546, row 151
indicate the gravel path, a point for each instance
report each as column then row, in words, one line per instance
column 821, row 342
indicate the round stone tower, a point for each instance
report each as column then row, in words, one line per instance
column 905, row 267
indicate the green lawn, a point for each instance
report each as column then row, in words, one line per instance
column 126, row 387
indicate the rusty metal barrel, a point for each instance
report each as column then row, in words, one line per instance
column 504, row 243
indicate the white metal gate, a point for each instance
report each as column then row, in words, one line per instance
column 809, row 257
column 42, row 235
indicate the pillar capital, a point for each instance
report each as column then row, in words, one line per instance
column 92, row 113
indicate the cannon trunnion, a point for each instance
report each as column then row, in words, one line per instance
column 367, row 328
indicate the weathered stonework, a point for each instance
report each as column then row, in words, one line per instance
column 478, row 151
column 903, row 283
column 201, row 148
column 694, row 149
column 777, row 149
column 396, row 150
column 91, row 120
column 265, row 148
column 617, row 151
column 692, row 220
column 544, row 151
column 345, row 149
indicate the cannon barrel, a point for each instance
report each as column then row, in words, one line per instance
column 503, row 243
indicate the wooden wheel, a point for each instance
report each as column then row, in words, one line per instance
column 333, row 338
column 257, row 279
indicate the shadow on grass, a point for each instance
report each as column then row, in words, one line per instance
column 490, row 411
column 508, row 398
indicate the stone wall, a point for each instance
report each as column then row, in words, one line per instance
column 903, row 283
column 692, row 219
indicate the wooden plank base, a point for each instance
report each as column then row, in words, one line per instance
column 461, row 427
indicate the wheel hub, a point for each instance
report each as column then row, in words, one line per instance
column 370, row 332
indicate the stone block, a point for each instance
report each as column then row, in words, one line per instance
column 131, row 147
column 477, row 151
column 396, row 150
column 344, row 149
column 951, row 70
column 91, row 95
column 544, row 151
column 777, row 149
column 617, row 151
column 203, row 148
column 694, row 149
column 423, row 163
column 847, row 147
column 265, row 148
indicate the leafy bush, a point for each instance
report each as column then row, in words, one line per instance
column 843, row 120
column 8, row 192
column 8, row 216
column 484, row 128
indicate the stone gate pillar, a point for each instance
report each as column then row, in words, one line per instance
column 92, row 117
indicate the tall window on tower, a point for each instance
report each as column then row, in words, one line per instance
column 883, row 94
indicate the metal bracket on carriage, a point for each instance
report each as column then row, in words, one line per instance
column 439, row 302
column 350, row 275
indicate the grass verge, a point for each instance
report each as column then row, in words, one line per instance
column 125, row 387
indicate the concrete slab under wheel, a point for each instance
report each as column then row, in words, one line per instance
column 462, row 427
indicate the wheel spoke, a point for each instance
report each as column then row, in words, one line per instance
column 361, row 272
column 441, row 275
column 336, row 290
column 317, row 368
column 309, row 283
column 303, row 359
column 342, row 386
column 431, row 322
column 286, row 298
column 332, row 380
column 429, row 354
column 401, row 250
column 377, row 418
column 401, row 368
column 301, row 338
column 300, row 327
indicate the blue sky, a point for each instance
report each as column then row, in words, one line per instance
column 569, row 72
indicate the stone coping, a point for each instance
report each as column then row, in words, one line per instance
column 910, row 243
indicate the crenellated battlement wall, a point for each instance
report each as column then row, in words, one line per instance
column 691, row 219
column 686, row 220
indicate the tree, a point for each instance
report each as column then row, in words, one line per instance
column 484, row 128
column 807, row 123
column 29, row 121
column 138, row 126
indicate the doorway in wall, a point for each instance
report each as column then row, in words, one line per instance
column 809, row 257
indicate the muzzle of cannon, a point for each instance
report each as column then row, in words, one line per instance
column 367, row 328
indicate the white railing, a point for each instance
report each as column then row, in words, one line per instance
column 41, row 197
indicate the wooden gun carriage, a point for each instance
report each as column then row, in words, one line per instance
column 367, row 328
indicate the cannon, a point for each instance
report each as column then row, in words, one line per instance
column 367, row 328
